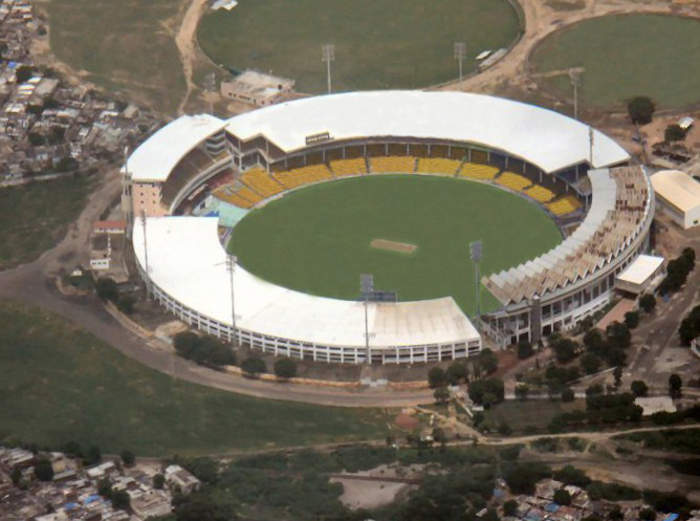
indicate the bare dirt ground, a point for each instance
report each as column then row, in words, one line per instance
column 385, row 244
column 186, row 41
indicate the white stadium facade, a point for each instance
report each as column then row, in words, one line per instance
column 189, row 184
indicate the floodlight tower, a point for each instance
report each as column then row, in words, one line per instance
column 460, row 49
column 231, row 261
column 475, row 252
column 145, row 253
column 127, row 200
column 327, row 56
column 575, row 77
column 367, row 288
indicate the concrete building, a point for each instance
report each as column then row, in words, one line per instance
column 678, row 196
column 641, row 275
column 256, row 88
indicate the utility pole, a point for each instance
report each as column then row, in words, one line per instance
column 127, row 200
column 230, row 267
column 367, row 288
column 327, row 56
column 460, row 49
column 475, row 252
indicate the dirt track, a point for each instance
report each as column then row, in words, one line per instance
column 186, row 41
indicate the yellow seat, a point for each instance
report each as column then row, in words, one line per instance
column 515, row 182
column 392, row 164
column 260, row 181
column 478, row 171
column 303, row 176
column 540, row 194
column 438, row 165
column 564, row 205
column 345, row 167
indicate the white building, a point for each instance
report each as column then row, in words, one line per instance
column 678, row 196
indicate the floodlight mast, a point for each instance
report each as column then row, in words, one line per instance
column 327, row 56
column 145, row 253
column 575, row 77
column 460, row 51
column 231, row 261
column 367, row 287
column 475, row 252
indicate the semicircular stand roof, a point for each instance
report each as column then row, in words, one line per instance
column 540, row 136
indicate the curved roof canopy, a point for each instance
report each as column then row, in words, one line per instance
column 187, row 261
column 543, row 137
column 155, row 158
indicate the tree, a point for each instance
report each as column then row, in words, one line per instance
column 631, row 319
column 43, row 470
column 127, row 458
column 525, row 349
column 567, row 395
column 486, row 391
column 590, row 363
column 674, row 385
column 504, row 429
column 570, row 475
column 436, row 377
column 594, row 341
column 441, row 395
column 674, row 132
column 120, row 499
column 510, row 507
column 253, row 366
column 565, row 350
column 200, row 507
column 618, row 335
column 594, row 390
column 439, row 436
column 158, row 481
column 689, row 254
column 488, row 361
column 521, row 477
column 104, row 488
column 639, row 388
column 23, row 73
column 107, row 289
column 456, row 372
column 562, row 497
column 641, row 110
column 647, row 514
column 521, row 391
column 617, row 374
column 690, row 326
column 285, row 368
column 647, row 302
column 16, row 476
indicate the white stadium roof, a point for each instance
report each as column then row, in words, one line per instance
column 155, row 158
column 543, row 137
column 678, row 188
column 197, row 277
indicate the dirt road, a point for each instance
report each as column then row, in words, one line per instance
column 186, row 41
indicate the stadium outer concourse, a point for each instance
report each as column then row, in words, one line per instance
column 194, row 179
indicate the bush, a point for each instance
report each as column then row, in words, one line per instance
column 203, row 350
column 570, row 475
column 525, row 349
column 562, row 497
column 647, row 302
column 488, row 361
column 690, row 326
column 158, row 481
column 618, row 335
column 120, row 499
column 107, row 289
column 285, row 368
column 598, row 490
column 567, row 395
column 521, row 478
column 253, row 366
column 436, row 377
column 441, row 395
column 641, row 110
column 674, row 385
column 631, row 319
column 639, row 388
column 128, row 458
column 590, row 363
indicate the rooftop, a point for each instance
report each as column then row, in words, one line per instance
column 678, row 188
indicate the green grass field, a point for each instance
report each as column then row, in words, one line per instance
column 521, row 415
column 35, row 217
column 317, row 239
column 385, row 44
column 58, row 383
column 126, row 46
column 625, row 56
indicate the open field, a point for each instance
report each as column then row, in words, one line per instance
column 58, row 383
column 125, row 46
column 625, row 56
column 35, row 217
column 317, row 239
column 388, row 44
column 520, row 415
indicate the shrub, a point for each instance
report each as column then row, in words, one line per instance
column 631, row 319
column 647, row 302
column 565, row 350
column 436, row 377
column 253, row 365
column 562, row 497
column 43, row 470
column 486, row 391
column 570, row 475
column 525, row 349
column 456, row 372
column 285, row 368
column 590, row 363
column 128, row 458
column 674, row 132
column 639, row 388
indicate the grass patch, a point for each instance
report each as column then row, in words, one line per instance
column 315, row 240
column 58, row 383
column 124, row 46
column 35, row 216
column 645, row 54
column 685, row 440
column 529, row 415
column 388, row 44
